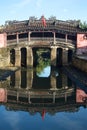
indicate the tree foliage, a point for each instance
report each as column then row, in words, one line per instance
column 83, row 25
column 42, row 60
column 53, row 18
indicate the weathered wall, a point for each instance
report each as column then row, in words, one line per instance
column 4, row 57
column 80, row 63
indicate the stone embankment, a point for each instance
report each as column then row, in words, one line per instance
column 80, row 62
column 6, row 72
column 4, row 57
column 76, row 75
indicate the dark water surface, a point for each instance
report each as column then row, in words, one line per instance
column 47, row 100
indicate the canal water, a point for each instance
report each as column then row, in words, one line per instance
column 42, row 99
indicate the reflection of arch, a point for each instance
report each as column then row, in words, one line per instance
column 12, row 57
column 12, row 80
column 23, row 79
column 45, row 72
column 70, row 53
column 59, row 56
column 23, row 57
column 40, row 82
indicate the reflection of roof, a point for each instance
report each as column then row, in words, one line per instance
column 54, row 108
column 42, row 101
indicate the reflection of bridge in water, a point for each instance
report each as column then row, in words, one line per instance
column 28, row 96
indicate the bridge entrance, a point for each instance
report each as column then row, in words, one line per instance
column 59, row 57
column 70, row 55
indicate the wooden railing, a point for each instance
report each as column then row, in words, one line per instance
column 45, row 39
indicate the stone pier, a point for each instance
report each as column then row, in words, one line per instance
column 29, row 57
column 17, row 57
column 53, row 56
column 65, row 56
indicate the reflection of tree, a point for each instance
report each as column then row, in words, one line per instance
column 43, row 60
column 52, row 113
column 32, row 112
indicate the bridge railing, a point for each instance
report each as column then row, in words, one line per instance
column 63, row 40
column 48, row 39
column 41, row 39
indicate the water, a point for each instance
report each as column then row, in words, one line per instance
column 47, row 100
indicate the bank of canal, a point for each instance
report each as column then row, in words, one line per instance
column 7, row 71
column 76, row 75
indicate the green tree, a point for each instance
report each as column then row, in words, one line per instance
column 83, row 25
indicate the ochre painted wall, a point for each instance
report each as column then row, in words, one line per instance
column 3, row 40
column 81, row 43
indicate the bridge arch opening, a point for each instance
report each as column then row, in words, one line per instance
column 37, row 82
column 12, row 81
column 59, row 56
column 23, row 79
column 41, row 57
column 12, row 57
column 23, row 57
column 70, row 55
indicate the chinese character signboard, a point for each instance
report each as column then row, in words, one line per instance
column 81, row 43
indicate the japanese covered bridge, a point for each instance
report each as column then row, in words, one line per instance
column 23, row 37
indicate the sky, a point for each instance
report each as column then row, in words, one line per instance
column 61, row 9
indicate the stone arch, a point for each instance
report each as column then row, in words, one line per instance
column 23, row 79
column 70, row 54
column 23, row 57
column 12, row 57
column 59, row 56
column 45, row 53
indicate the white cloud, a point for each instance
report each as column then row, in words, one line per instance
column 68, row 122
column 22, row 3
column 65, row 10
column 12, row 120
column 13, row 10
column 38, row 3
